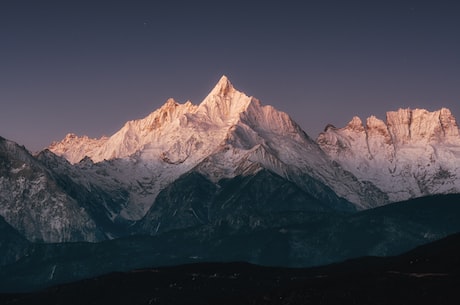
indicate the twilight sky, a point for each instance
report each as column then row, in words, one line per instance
column 89, row 66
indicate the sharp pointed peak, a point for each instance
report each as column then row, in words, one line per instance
column 223, row 86
column 224, row 79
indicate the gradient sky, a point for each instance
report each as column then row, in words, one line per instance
column 89, row 66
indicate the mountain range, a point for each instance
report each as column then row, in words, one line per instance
column 415, row 153
column 228, row 179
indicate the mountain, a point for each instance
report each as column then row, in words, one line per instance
column 225, row 160
column 228, row 179
column 415, row 153
column 227, row 135
column 13, row 245
column 282, row 238
column 38, row 203
column 426, row 275
column 241, row 203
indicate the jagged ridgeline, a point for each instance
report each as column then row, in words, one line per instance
column 415, row 153
column 95, row 189
column 228, row 179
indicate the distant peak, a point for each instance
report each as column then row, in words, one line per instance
column 224, row 80
column 355, row 124
column 223, row 87
column 446, row 113
column 71, row 136
column 169, row 105
column 171, row 102
column 374, row 122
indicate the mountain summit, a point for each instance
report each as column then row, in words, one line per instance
column 227, row 179
column 414, row 153
column 223, row 87
column 229, row 159
column 162, row 133
column 228, row 134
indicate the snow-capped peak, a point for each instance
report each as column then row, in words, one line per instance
column 419, row 125
column 355, row 124
column 234, row 130
column 169, row 128
column 223, row 87
column 415, row 153
column 229, row 127
column 224, row 104
column 75, row 148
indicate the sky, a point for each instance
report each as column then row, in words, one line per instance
column 87, row 67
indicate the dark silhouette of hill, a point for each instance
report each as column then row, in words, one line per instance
column 300, row 239
column 426, row 275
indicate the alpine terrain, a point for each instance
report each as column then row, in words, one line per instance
column 228, row 136
column 415, row 153
column 229, row 179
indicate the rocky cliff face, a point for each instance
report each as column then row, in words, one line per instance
column 36, row 203
column 415, row 153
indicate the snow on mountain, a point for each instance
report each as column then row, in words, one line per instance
column 93, row 189
column 415, row 153
column 145, row 155
column 80, row 147
column 169, row 134
column 227, row 134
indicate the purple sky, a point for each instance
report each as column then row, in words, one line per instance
column 89, row 66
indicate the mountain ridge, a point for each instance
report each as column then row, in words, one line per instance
column 113, row 182
column 227, row 179
column 232, row 127
column 221, row 106
column 414, row 153
column 36, row 202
